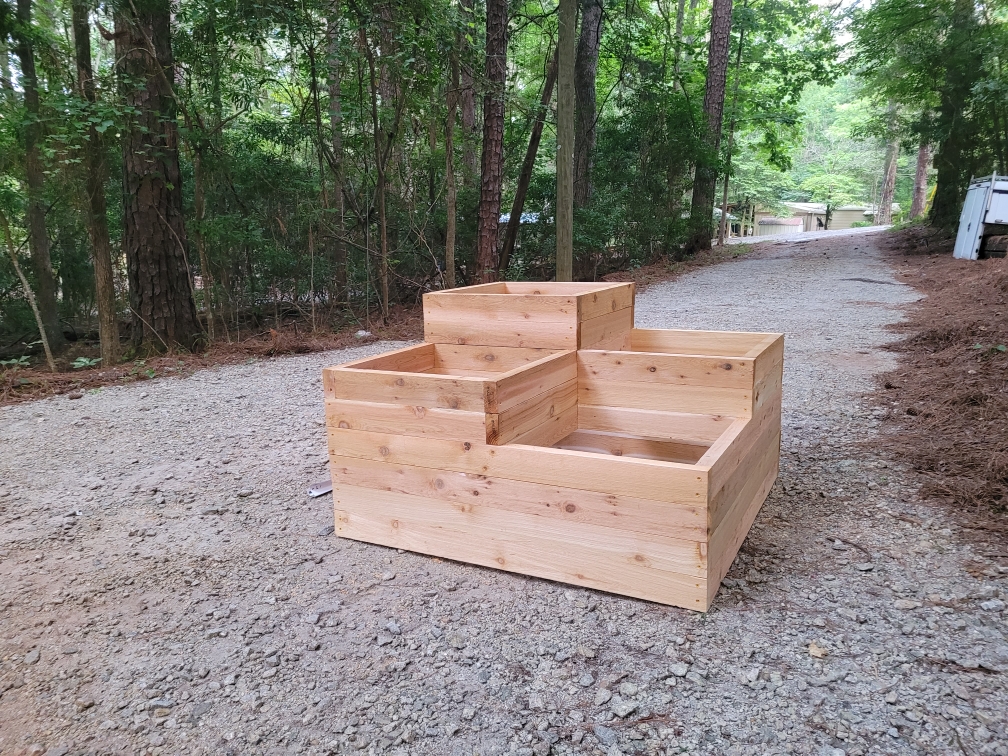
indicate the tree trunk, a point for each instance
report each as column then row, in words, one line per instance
column 723, row 220
column 468, row 97
column 336, row 126
column 380, row 166
column 704, row 184
column 94, row 185
column 29, row 295
column 962, row 67
column 450, row 191
column 679, row 20
column 199, row 202
column 585, row 74
column 883, row 213
column 525, row 176
column 566, row 56
column 161, row 298
column 921, row 180
column 492, row 163
column 38, row 237
column 6, row 87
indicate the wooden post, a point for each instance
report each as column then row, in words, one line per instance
column 565, row 142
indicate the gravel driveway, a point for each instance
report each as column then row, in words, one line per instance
column 167, row 587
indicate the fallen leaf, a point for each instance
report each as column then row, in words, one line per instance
column 816, row 650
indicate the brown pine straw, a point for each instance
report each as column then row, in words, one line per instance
column 948, row 398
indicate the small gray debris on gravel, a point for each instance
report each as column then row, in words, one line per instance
column 32, row 656
column 605, row 735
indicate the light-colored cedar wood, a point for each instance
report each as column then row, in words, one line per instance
column 670, row 369
column 607, row 300
column 619, row 342
column 412, row 420
column 604, row 328
column 683, row 426
column 524, row 417
column 513, row 332
column 712, row 343
column 625, row 445
column 489, row 374
column 580, row 554
column 418, row 358
column 727, row 538
column 772, row 348
column 641, row 478
column 534, row 379
column 456, row 357
column 651, row 396
column 684, row 522
column 562, row 288
column 730, row 469
column 551, row 430
column 500, row 307
column 421, row 389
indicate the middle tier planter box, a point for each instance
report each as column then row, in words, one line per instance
column 636, row 470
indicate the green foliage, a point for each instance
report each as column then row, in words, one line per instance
column 85, row 362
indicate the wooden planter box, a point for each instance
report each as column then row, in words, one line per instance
column 522, row 314
column 637, row 471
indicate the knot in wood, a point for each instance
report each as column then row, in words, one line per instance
column 467, row 446
column 438, row 483
column 400, row 382
column 727, row 366
column 570, row 508
column 652, row 369
column 383, row 450
column 395, row 524
column 344, row 424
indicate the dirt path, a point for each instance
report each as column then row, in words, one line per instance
column 167, row 586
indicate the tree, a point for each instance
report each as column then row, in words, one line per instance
column 96, row 212
column 492, row 162
column 702, row 208
column 585, row 73
column 920, row 185
column 566, row 61
column 161, row 292
column 38, row 236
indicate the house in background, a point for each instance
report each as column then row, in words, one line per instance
column 812, row 217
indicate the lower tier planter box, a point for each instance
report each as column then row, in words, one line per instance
column 637, row 471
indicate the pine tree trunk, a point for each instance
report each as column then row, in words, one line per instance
column 94, row 180
column 585, row 74
column 199, row 202
column 38, row 237
column 525, row 176
column 962, row 66
column 161, row 298
column 336, row 126
column 467, row 96
column 450, row 190
column 566, row 56
column 921, row 180
column 492, row 162
column 705, row 183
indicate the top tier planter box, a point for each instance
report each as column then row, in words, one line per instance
column 546, row 315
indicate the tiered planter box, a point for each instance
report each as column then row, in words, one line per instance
column 636, row 470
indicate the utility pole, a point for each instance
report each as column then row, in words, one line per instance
column 565, row 141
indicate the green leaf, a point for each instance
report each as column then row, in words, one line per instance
column 103, row 126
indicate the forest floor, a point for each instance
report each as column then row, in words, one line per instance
column 169, row 588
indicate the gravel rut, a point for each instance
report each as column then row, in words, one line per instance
column 168, row 588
